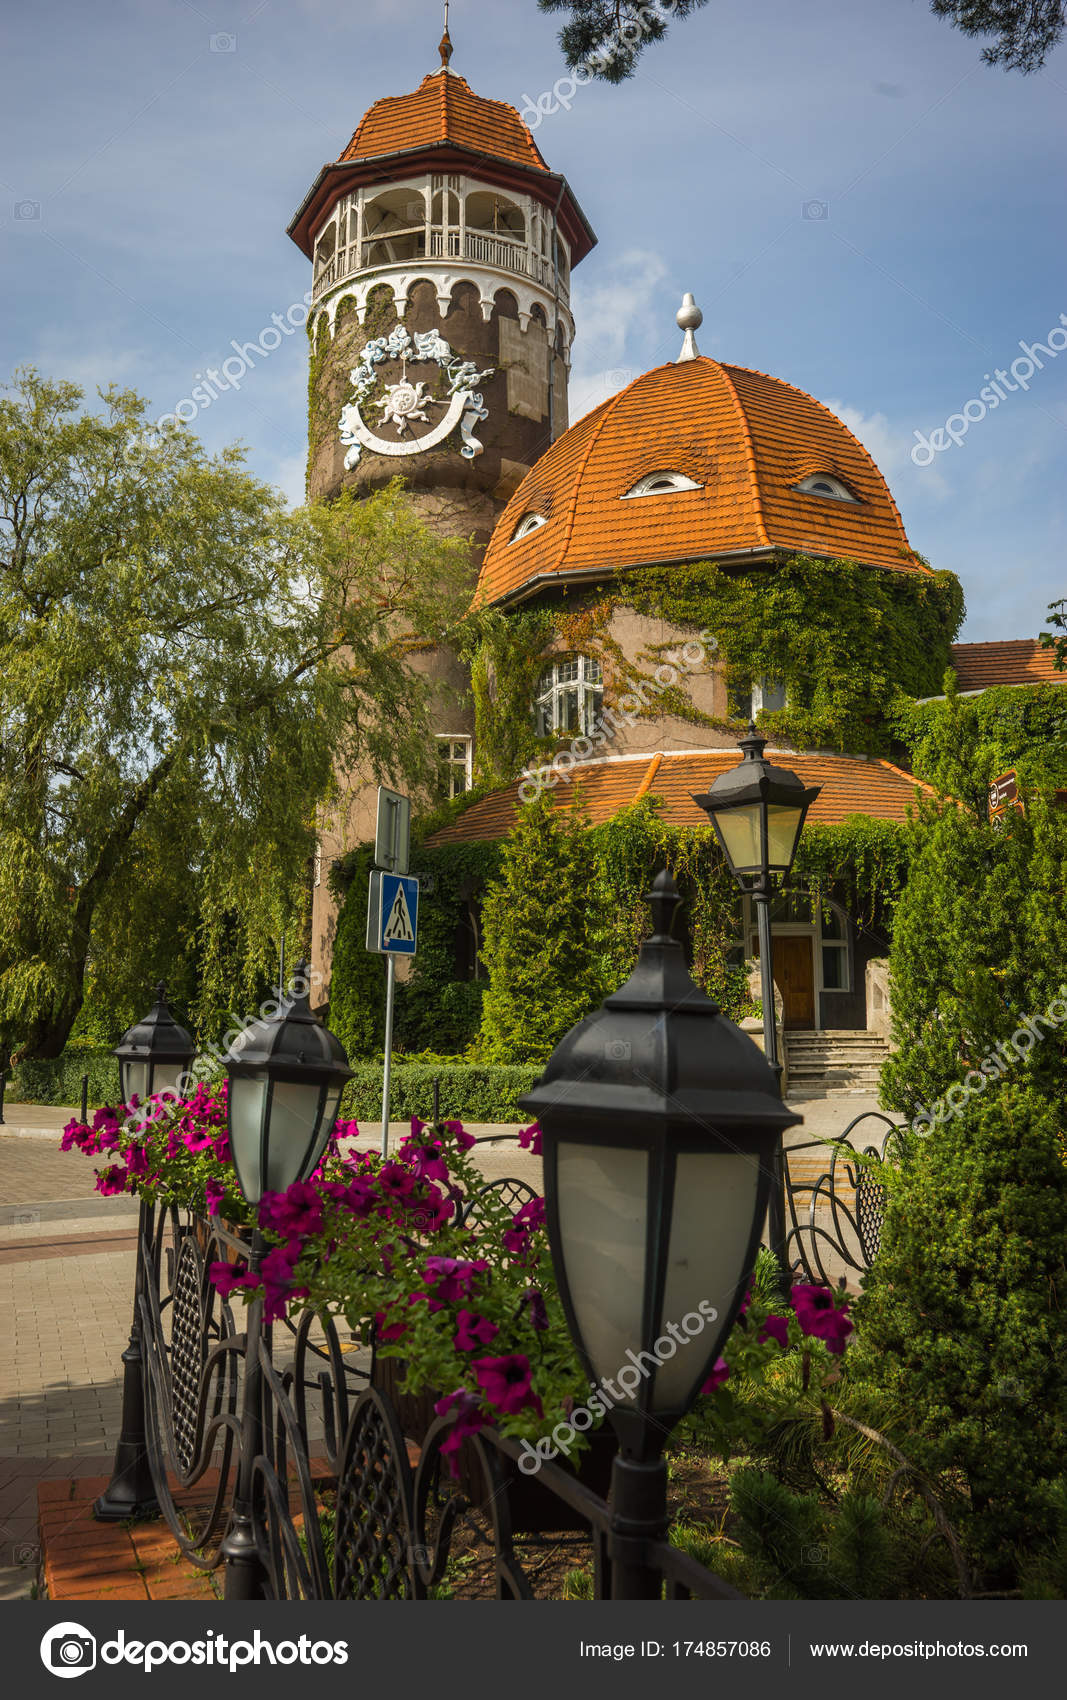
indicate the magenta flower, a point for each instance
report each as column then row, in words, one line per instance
column 537, row 1315
column 506, row 1382
column 821, row 1318
column 295, row 1213
column 427, row 1162
column 530, row 1139
column 720, row 1373
column 228, row 1277
column 451, row 1278
column 214, row 1193
column 137, row 1160
column 463, row 1139
column 276, row 1271
column 473, row 1332
column 774, row 1328
column 532, row 1214
column 113, row 1180
column 468, row 1420
column 396, row 1181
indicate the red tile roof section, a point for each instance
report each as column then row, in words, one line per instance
column 850, row 786
column 745, row 438
column 444, row 108
column 1017, row 661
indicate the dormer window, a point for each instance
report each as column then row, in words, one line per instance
column 529, row 522
column 659, row 483
column 825, row 484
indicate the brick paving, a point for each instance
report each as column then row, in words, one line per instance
column 86, row 1560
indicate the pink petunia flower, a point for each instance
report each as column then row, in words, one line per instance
column 506, row 1382
column 720, row 1373
column 473, row 1331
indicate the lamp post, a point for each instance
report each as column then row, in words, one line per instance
column 660, row 1121
column 758, row 812
column 284, row 1083
column 153, row 1055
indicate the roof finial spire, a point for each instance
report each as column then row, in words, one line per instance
column 445, row 47
column 690, row 319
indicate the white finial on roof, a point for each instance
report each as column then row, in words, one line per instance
column 445, row 48
column 690, row 319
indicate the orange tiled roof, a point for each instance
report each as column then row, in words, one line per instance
column 1017, row 661
column 744, row 437
column 850, row 786
column 444, row 109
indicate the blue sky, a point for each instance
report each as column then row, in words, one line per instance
column 154, row 151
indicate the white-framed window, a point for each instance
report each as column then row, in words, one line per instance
column 453, row 764
column 764, row 695
column 825, row 484
column 659, row 483
column 569, row 696
column 529, row 522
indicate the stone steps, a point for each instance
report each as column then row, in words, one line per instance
column 835, row 1062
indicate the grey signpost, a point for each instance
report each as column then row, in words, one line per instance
column 392, row 913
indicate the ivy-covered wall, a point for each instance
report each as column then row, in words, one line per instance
column 849, row 642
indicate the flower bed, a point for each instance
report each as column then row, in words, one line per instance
column 467, row 1299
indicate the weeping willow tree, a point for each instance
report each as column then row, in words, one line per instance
column 184, row 666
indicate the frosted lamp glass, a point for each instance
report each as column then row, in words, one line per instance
column 740, row 829
column 165, row 1077
column 603, row 1223
column 714, row 1205
column 247, row 1100
column 134, row 1081
column 294, row 1121
column 783, row 826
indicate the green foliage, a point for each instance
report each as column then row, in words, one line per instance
column 844, row 640
column 475, row 1092
column 799, row 1548
column 963, row 1322
column 979, row 945
column 961, row 744
column 505, row 656
column 357, row 983
column 540, row 937
column 182, row 664
column 59, row 1079
column 1026, row 31
column 1057, row 640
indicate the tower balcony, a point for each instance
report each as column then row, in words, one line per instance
column 495, row 252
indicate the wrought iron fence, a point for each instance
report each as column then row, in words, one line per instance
column 835, row 1221
column 291, row 1460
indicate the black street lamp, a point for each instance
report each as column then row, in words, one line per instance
column 660, row 1121
column 285, row 1078
column 154, row 1054
column 758, row 812
column 284, row 1082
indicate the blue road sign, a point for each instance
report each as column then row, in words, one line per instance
column 399, row 915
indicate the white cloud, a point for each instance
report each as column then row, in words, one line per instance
column 613, row 314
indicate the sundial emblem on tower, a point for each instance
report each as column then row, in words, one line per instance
column 418, row 418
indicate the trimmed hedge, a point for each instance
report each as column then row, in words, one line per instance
column 59, row 1080
column 473, row 1092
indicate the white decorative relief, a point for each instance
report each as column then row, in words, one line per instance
column 405, row 404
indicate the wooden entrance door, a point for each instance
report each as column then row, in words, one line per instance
column 794, row 975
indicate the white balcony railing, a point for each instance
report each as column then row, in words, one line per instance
column 498, row 252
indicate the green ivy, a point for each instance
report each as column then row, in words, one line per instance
column 961, row 743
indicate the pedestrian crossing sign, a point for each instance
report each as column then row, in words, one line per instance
column 393, row 914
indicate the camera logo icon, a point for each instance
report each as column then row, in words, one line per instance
column 27, row 210
column 816, row 209
column 68, row 1650
column 617, row 1050
column 223, row 43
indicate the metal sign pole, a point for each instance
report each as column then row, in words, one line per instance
column 390, row 982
